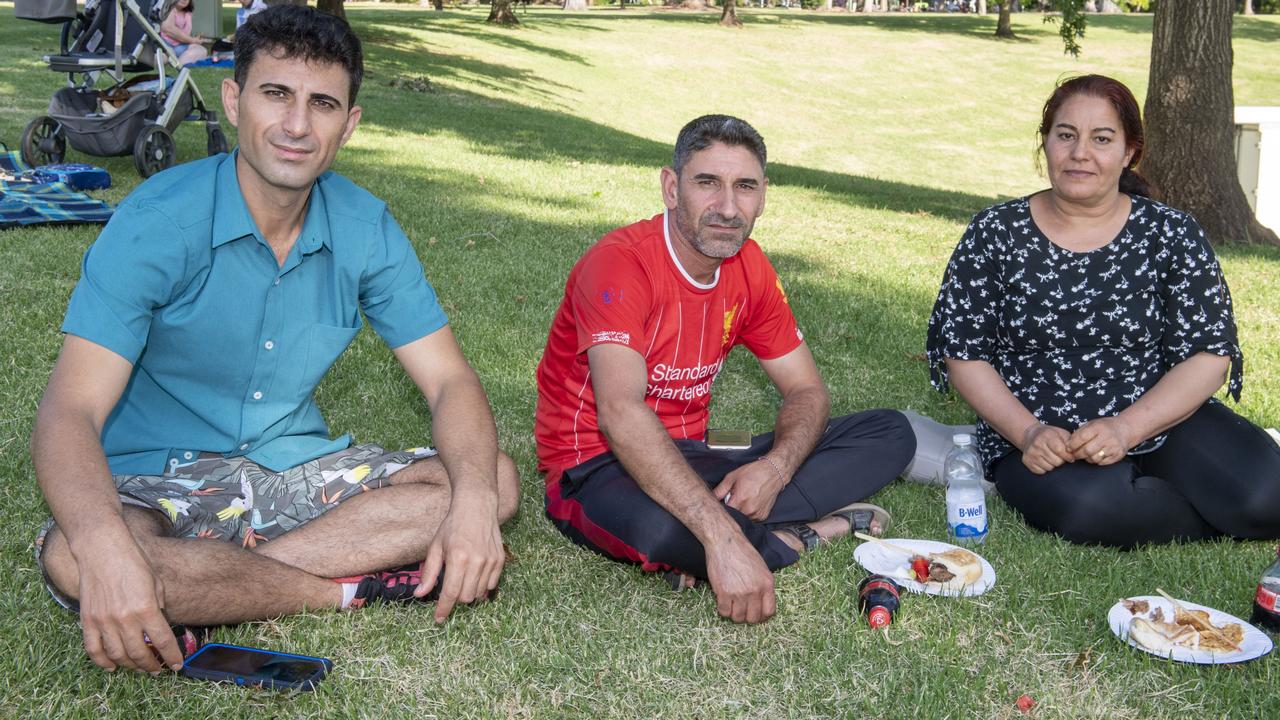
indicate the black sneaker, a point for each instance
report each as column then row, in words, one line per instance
column 394, row 585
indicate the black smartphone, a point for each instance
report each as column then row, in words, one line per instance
column 256, row 668
column 728, row 439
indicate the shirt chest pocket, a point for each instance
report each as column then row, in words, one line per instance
column 324, row 343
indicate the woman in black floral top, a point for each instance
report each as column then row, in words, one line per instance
column 1089, row 326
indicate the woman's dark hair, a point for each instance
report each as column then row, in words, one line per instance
column 298, row 31
column 700, row 132
column 1126, row 107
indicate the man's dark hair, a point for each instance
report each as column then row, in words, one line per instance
column 297, row 31
column 701, row 132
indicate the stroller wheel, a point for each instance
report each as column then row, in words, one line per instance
column 153, row 150
column 217, row 141
column 43, row 142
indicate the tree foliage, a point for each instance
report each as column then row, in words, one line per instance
column 1071, row 24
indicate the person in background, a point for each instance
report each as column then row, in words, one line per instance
column 247, row 9
column 175, row 28
column 1089, row 326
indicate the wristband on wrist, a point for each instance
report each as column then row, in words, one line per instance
column 775, row 467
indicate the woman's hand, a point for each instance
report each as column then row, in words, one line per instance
column 1102, row 441
column 1044, row 447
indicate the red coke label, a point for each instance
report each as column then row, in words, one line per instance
column 878, row 598
column 1268, row 599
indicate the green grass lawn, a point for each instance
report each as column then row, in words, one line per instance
column 885, row 134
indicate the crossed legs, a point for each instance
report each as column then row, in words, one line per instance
column 598, row 505
column 214, row 582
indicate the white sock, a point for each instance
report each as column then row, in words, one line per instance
column 348, row 594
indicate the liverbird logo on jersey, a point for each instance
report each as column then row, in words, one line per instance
column 728, row 324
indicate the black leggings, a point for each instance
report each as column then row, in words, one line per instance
column 598, row 505
column 1216, row 474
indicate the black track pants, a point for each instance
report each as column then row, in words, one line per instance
column 597, row 504
column 1216, row 474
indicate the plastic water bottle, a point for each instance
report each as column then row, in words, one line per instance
column 966, row 502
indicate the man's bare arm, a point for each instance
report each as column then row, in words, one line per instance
column 742, row 582
column 801, row 420
column 120, row 597
column 469, row 543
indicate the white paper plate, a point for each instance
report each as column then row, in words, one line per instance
column 1254, row 645
column 883, row 561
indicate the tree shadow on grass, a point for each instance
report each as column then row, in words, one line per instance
column 964, row 25
column 1251, row 251
column 371, row 25
column 500, row 127
column 1256, row 29
column 867, row 334
column 390, row 54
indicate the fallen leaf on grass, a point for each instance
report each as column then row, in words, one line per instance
column 1083, row 660
column 1025, row 704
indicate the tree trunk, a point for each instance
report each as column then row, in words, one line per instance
column 1004, row 28
column 982, row 7
column 826, row 4
column 1109, row 6
column 575, row 4
column 333, row 7
column 1190, row 121
column 1248, row 7
column 868, row 5
column 729, row 16
column 500, row 12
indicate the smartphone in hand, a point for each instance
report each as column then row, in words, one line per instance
column 252, row 667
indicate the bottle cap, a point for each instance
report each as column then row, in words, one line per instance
column 961, row 438
column 879, row 617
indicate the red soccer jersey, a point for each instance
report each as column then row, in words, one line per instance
column 630, row 290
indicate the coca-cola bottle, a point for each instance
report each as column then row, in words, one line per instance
column 1266, row 604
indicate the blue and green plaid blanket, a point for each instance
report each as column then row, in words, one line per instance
column 34, row 203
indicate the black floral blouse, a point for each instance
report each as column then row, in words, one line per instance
column 1078, row 336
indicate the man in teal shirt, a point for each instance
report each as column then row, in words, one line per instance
column 180, row 408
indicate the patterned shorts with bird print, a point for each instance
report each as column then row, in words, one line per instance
column 236, row 499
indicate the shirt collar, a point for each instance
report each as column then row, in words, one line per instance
column 232, row 221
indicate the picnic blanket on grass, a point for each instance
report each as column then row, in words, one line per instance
column 35, row 203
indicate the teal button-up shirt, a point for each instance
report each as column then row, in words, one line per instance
column 227, row 345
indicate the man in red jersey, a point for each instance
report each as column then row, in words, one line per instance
column 649, row 315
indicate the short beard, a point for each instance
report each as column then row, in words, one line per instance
column 711, row 248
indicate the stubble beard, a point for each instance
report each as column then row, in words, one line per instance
column 704, row 240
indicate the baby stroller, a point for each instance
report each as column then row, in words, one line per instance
column 106, row 43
